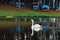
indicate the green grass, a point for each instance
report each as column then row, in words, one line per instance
column 28, row 14
column 7, row 10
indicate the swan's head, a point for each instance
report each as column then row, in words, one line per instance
column 37, row 27
column 32, row 20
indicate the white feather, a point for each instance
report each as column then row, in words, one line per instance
column 35, row 27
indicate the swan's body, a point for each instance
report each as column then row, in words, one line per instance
column 35, row 27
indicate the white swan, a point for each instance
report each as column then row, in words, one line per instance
column 35, row 27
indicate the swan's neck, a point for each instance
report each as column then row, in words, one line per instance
column 32, row 27
column 32, row 22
